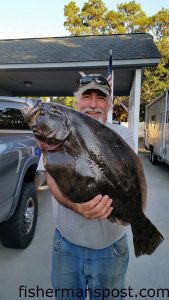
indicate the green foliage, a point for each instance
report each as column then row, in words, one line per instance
column 157, row 79
column 68, row 101
column 160, row 24
column 119, row 112
column 133, row 17
column 94, row 19
column 74, row 19
column 89, row 21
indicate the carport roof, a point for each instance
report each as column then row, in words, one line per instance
column 53, row 64
column 77, row 48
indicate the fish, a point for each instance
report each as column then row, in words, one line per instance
column 86, row 158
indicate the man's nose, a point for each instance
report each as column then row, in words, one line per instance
column 93, row 102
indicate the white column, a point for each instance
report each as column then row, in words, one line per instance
column 134, row 107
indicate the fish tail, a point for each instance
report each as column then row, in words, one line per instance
column 146, row 237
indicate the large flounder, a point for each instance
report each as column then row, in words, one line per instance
column 85, row 158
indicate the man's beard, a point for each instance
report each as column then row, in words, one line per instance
column 89, row 110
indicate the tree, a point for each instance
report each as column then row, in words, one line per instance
column 160, row 24
column 94, row 18
column 157, row 79
column 89, row 21
column 132, row 18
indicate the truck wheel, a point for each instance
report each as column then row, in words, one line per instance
column 153, row 157
column 18, row 231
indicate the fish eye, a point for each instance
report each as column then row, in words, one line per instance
column 55, row 112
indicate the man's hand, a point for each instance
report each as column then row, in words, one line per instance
column 99, row 207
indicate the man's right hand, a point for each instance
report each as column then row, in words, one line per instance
column 99, row 207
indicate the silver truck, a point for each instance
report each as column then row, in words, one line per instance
column 156, row 133
column 19, row 157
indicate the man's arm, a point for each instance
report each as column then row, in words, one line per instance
column 98, row 207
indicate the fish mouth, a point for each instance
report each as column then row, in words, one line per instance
column 41, row 136
column 49, row 146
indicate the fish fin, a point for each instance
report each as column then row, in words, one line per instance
column 146, row 237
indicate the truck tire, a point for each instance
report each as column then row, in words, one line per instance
column 153, row 157
column 18, row 231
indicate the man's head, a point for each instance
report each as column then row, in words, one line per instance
column 94, row 96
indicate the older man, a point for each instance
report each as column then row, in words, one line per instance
column 89, row 252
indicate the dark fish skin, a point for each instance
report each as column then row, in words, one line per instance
column 91, row 159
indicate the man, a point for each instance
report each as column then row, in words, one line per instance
column 89, row 252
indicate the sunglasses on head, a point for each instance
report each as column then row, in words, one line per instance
column 96, row 78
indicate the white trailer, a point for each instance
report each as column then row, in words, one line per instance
column 156, row 132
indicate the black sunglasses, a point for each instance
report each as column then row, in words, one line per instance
column 96, row 78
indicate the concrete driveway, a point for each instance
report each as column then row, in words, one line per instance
column 30, row 268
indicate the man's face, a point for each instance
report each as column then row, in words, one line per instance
column 94, row 104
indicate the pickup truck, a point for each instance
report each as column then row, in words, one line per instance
column 19, row 157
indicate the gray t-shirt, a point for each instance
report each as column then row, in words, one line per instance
column 96, row 233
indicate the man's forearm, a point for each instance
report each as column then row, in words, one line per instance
column 98, row 207
column 57, row 194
